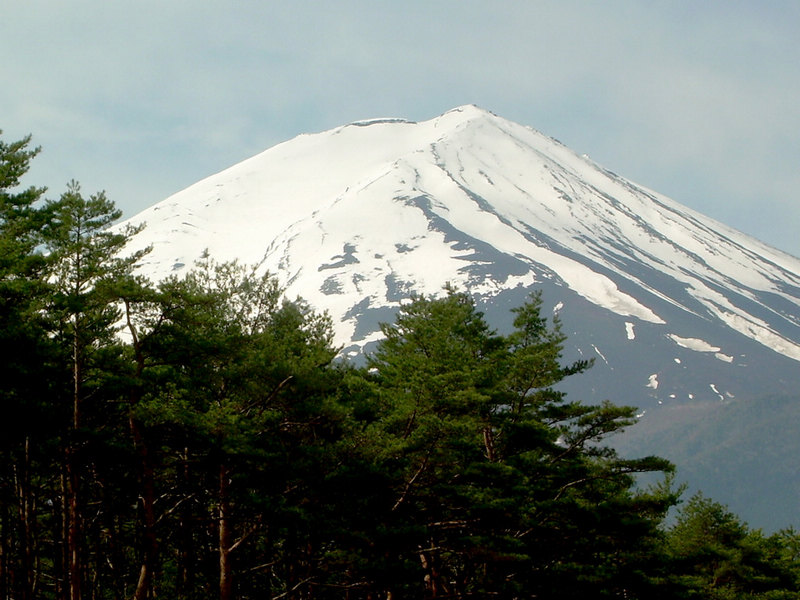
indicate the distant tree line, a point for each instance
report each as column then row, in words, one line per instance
column 199, row 439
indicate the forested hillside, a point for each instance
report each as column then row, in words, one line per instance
column 199, row 439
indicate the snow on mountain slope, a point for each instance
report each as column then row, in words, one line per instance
column 685, row 318
column 364, row 213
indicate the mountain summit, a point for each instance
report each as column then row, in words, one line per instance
column 680, row 312
column 356, row 218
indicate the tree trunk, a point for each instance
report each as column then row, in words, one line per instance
column 185, row 580
column 113, row 553
column 4, row 550
column 149, row 538
column 488, row 442
column 435, row 587
column 62, row 554
column 146, row 476
column 74, row 565
column 225, row 567
column 25, row 513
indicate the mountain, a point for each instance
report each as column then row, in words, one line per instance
column 685, row 316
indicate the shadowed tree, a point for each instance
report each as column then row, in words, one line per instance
column 500, row 485
column 716, row 555
column 239, row 382
column 25, row 432
column 84, row 269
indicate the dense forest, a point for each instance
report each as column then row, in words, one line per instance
column 199, row 438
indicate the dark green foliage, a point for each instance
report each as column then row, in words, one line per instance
column 27, row 427
column 507, row 483
column 22, row 292
column 20, row 215
column 235, row 394
column 716, row 555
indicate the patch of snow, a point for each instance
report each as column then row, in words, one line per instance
column 600, row 354
column 695, row 344
column 736, row 318
column 716, row 391
column 724, row 357
column 761, row 332
column 629, row 330
column 677, row 360
column 653, row 381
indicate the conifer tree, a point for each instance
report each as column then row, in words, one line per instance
column 24, row 430
column 239, row 387
column 500, row 485
column 84, row 268
column 714, row 554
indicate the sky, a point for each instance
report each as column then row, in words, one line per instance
column 699, row 101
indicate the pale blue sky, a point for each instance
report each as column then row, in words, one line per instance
column 697, row 100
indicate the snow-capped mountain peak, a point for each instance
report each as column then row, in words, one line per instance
column 356, row 218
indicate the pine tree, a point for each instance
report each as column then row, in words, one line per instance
column 716, row 555
column 25, row 434
column 84, row 270
column 500, row 485
column 237, row 388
